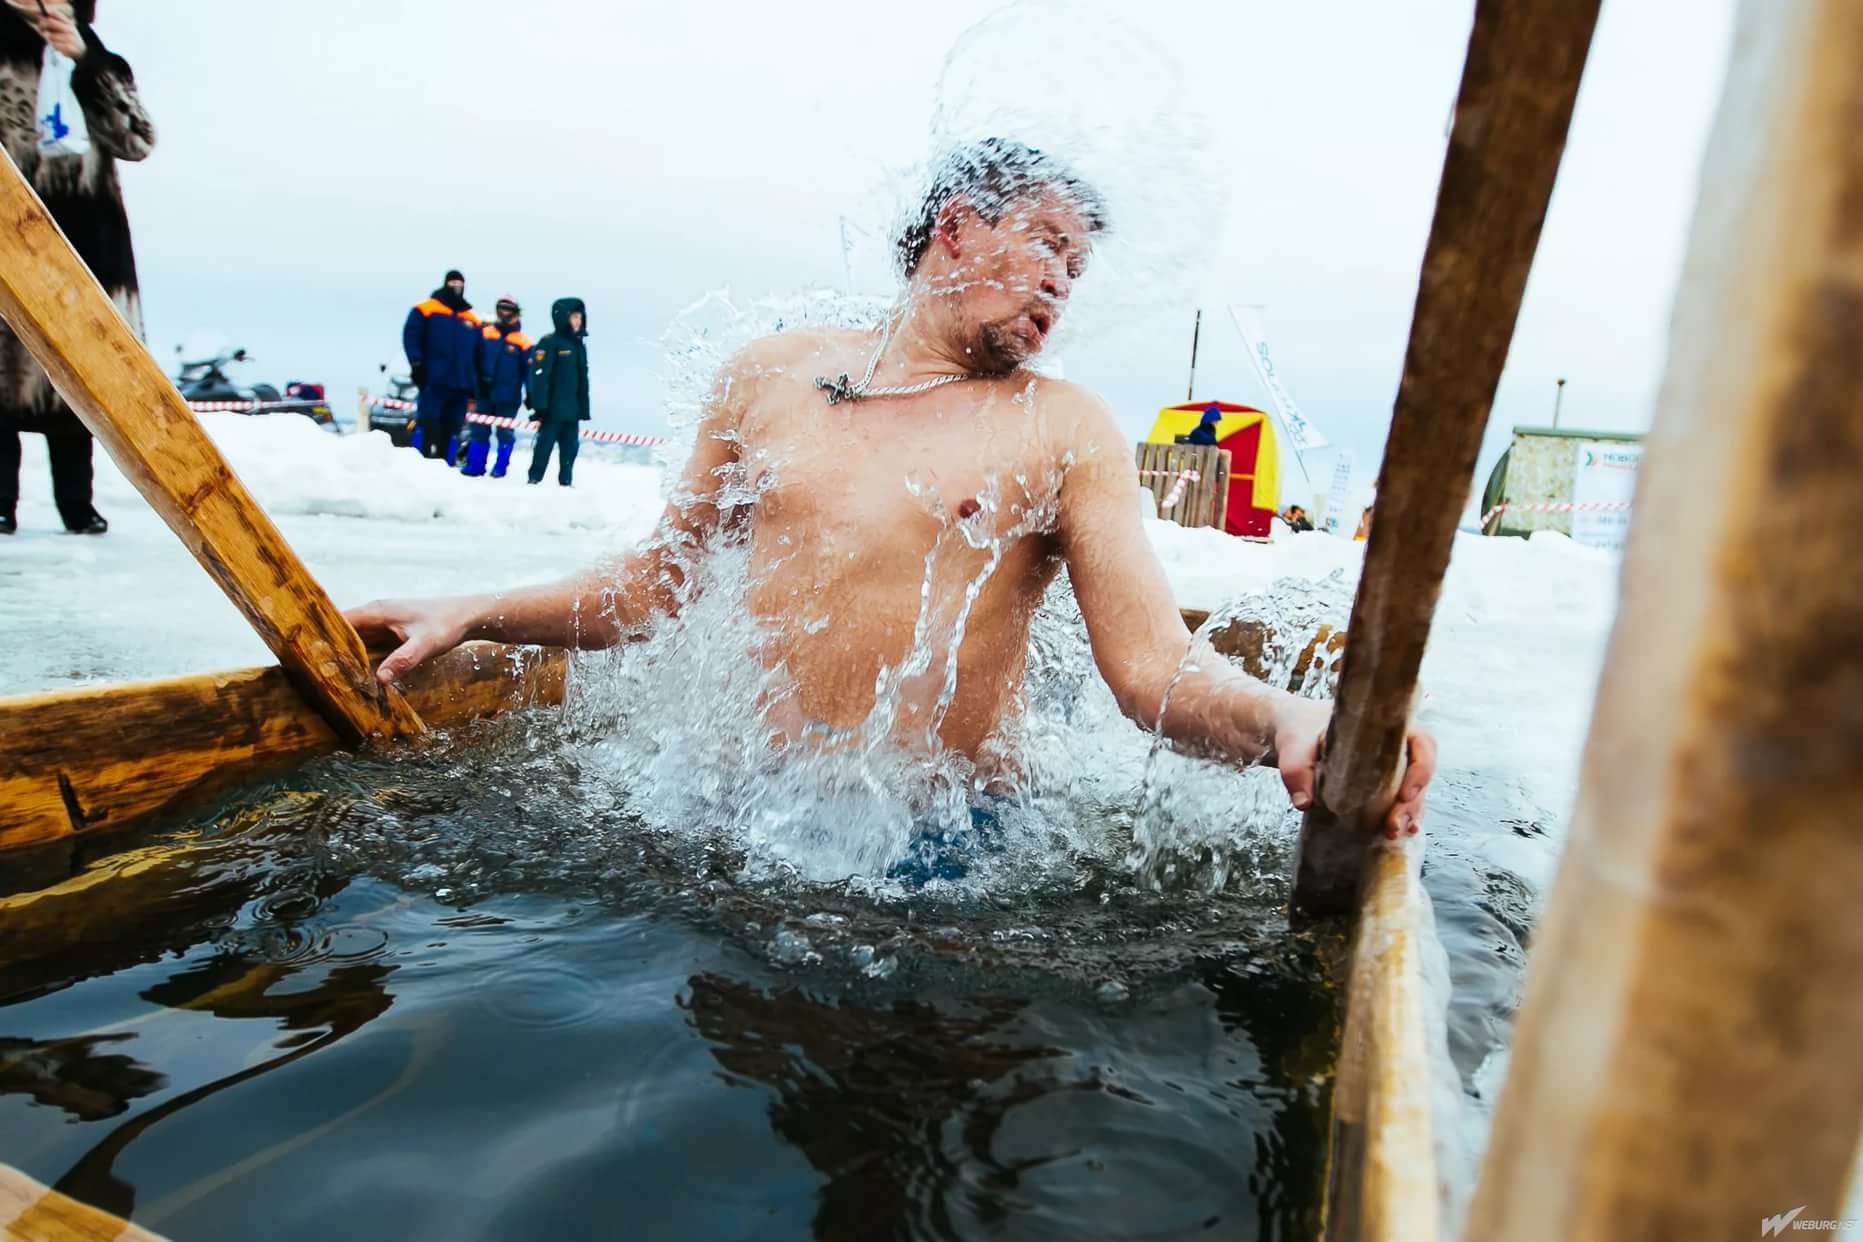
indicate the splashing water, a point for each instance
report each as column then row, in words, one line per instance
column 1106, row 96
column 1197, row 822
column 703, row 720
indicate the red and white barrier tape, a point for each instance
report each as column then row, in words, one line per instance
column 1184, row 479
column 1589, row 506
column 283, row 403
column 524, row 424
column 587, row 433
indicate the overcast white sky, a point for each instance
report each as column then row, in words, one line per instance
column 320, row 165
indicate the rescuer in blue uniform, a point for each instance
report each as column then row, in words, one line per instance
column 504, row 361
column 441, row 338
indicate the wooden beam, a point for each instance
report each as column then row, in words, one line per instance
column 1382, row 1185
column 58, row 310
column 1685, row 1062
column 92, row 760
column 1518, row 87
column 32, row 1212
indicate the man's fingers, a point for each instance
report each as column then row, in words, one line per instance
column 403, row 658
column 1422, row 767
column 1297, row 771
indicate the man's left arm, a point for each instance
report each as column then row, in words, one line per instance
column 1139, row 639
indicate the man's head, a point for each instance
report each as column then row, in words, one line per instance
column 508, row 309
column 1002, row 234
column 455, row 280
column 569, row 315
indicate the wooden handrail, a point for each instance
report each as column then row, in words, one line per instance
column 1685, row 1061
column 104, row 758
column 1518, row 88
column 61, row 314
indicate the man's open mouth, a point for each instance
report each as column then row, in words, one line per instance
column 1043, row 321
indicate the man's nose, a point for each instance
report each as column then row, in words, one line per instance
column 1056, row 286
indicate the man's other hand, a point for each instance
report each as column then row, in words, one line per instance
column 1301, row 725
column 424, row 628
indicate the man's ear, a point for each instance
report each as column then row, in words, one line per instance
column 951, row 219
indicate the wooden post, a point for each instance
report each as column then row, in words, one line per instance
column 1686, row 1061
column 1383, row 1183
column 1518, row 88
column 1219, row 501
column 58, row 310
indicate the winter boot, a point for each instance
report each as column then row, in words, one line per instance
column 9, row 524
column 476, row 453
column 93, row 525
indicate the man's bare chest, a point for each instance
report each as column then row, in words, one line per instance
column 952, row 467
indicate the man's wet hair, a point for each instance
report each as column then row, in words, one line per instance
column 994, row 175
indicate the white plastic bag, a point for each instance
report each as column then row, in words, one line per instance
column 61, row 118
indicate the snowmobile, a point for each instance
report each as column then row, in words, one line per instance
column 393, row 412
column 206, row 380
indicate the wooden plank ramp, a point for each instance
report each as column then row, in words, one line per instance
column 1685, row 1063
column 61, row 314
column 32, row 1212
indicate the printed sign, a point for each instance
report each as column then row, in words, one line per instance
column 1604, row 481
column 1339, row 494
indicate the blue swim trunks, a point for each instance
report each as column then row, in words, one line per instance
column 946, row 854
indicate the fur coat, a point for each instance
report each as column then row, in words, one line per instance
column 81, row 192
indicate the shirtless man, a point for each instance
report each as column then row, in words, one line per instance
column 945, row 465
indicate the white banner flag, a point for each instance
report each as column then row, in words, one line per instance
column 1301, row 433
column 1339, row 495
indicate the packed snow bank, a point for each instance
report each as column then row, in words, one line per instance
column 295, row 467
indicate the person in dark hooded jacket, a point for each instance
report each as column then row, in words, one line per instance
column 83, row 195
column 1205, row 434
column 441, row 337
column 558, row 389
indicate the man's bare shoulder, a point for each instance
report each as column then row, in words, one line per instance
column 1081, row 417
column 795, row 351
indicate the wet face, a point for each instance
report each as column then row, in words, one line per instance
column 1009, row 281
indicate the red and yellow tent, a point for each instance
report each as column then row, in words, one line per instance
column 1254, row 476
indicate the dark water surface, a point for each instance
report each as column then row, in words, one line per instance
column 445, row 997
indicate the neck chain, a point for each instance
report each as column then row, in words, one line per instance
column 840, row 389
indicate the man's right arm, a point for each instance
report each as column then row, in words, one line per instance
column 608, row 604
